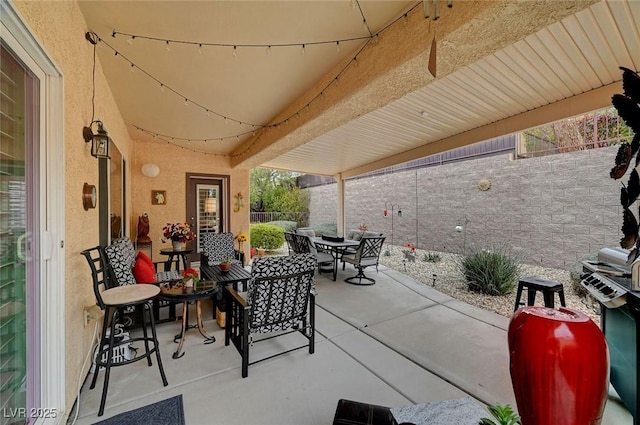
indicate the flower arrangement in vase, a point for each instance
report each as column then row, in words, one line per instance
column 225, row 264
column 179, row 234
column 190, row 277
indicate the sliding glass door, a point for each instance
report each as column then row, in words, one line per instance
column 19, row 221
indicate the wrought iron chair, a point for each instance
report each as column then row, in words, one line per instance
column 302, row 244
column 121, row 256
column 114, row 300
column 367, row 254
column 280, row 300
column 217, row 247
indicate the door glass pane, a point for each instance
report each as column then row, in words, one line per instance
column 18, row 274
column 208, row 216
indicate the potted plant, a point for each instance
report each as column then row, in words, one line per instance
column 225, row 264
column 190, row 277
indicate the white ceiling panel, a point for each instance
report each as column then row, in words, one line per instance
column 578, row 54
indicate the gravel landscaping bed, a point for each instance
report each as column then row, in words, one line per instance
column 449, row 281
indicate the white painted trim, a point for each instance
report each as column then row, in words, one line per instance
column 16, row 34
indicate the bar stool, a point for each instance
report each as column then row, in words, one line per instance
column 533, row 285
column 114, row 300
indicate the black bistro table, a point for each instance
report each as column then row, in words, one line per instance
column 337, row 249
column 174, row 253
column 237, row 274
column 177, row 292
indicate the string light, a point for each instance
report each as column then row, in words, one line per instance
column 268, row 48
column 130, row 41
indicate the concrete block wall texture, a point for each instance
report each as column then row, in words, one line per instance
column 554, row 210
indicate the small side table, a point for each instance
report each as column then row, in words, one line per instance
column 173, row 253
column 178, row 293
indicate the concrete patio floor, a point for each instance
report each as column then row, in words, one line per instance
column 395, row 343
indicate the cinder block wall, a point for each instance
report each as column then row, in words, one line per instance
column 554, row 209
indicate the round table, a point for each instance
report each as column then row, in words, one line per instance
column 183, row 253
column 177, row 292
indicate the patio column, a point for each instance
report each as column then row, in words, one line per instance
column 340, row 203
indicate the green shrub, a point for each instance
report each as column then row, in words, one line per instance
column 266, row 236
column 431, row 257
column 288, row 226
column 490, row 271
column 387, row 253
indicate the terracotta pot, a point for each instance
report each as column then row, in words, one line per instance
column 559, row 367
column 225, row 266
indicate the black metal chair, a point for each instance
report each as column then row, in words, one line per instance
column 302, row 244
column 367, row 254
column 114, row 300
column 280, row 300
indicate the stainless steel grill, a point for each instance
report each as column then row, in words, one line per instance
column 615, row 285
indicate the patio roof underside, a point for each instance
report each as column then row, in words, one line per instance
column 501, row 67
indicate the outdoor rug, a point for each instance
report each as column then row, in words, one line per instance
column 165, row 412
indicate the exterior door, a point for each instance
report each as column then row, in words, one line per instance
column 207, row 207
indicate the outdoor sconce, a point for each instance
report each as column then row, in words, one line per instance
column 99, row 141
column 150, row 170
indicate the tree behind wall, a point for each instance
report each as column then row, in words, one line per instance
column 276, row 191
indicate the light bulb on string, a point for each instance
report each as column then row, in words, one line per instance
column 225, row 120
column 302, row 50
column 130, row 41
column 355, row 62
column 268, row 50
column 353, row 4
column 235, row 51
column 133, row 67
column 237, row 138
column 208, row 113
column 167, row 46
column 200, row 48
column 162, row 87
column 364, row 25
column 338, row 46
column 186, row 102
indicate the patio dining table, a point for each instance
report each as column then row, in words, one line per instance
column 337, row 249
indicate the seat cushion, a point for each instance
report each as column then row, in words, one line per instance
column 307, row 231
column 121, row 256
column 143, row 270
column 355, row 234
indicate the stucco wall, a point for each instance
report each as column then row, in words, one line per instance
column 60, row 27
column 174, row 164
column 555, row 209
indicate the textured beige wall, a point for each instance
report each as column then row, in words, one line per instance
column 175, row 163
column 60, row 27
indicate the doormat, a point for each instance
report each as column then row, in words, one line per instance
column 165, row 412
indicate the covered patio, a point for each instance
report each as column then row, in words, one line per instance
column 396, row 343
